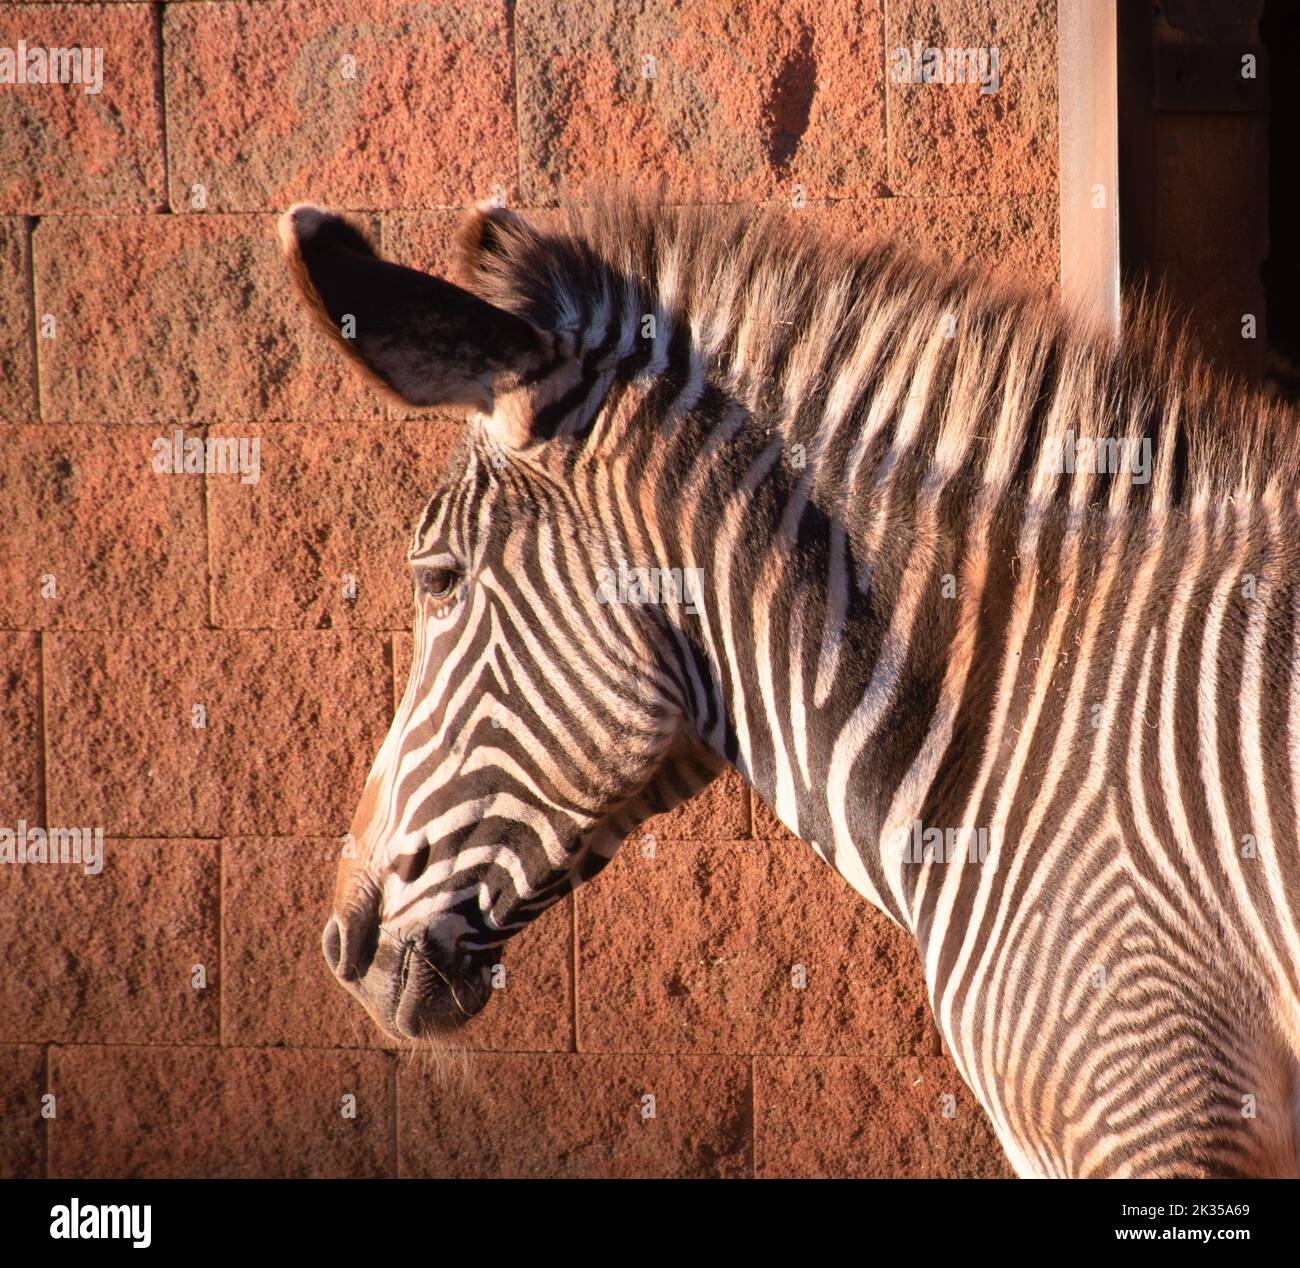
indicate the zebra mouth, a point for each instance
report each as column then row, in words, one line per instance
column 431, row 999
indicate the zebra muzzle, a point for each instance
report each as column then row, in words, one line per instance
column 432, row 998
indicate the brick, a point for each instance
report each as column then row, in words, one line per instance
column 951, row 139
column 292, row 721
column 747, row 100
column 63, row 149
column 1017, row 237
column 17, row 360
column 262, row 113
column 217, row 1113
column 276, row 897
column 182, row 319
column 533, row 1011
column 422, row 239
column 843, row 1118
column 566, row 1115
column 22, row 757
column 694, row 951
column 426, row 239
column 125, row 546
column 109, row 957
column 330, row 502
column 277, row 990
column 22, row 1129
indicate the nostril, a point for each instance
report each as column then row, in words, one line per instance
column 332, row 944
column 351, row 935
column 349, row 943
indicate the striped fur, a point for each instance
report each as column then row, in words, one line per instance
column 910, row 620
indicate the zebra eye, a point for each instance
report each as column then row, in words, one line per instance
column 439, row 583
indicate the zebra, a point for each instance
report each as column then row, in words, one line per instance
column 998, row 612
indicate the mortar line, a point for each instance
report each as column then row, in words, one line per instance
column 280, row 1049
column 48, row 1122
column 210, row 577
column 573, row 962
column 34, row 329
column 42, row 722
column 161, row 45
column 753, row 1116
column 394, row 1071
column 884, row 81
column 512, row 49
column 388, row 409
column 221, row 943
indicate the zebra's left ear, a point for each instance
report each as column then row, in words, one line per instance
column 426, row 339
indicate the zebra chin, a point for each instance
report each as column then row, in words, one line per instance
column 420, row 1000
column 430, row 1000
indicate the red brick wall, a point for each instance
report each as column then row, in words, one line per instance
column 669, row 975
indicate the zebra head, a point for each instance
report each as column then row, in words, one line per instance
column 541, row 722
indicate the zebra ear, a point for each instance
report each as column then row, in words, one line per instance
column 491, row 240
column 421, row 337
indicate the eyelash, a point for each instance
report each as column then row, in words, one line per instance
column 442, row 585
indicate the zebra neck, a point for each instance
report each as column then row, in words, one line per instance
column 866, row 505
column 814, row 660
column 853, row 628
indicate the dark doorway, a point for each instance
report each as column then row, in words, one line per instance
column 1279, row 33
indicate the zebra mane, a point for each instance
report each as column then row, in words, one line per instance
column 956, row 365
